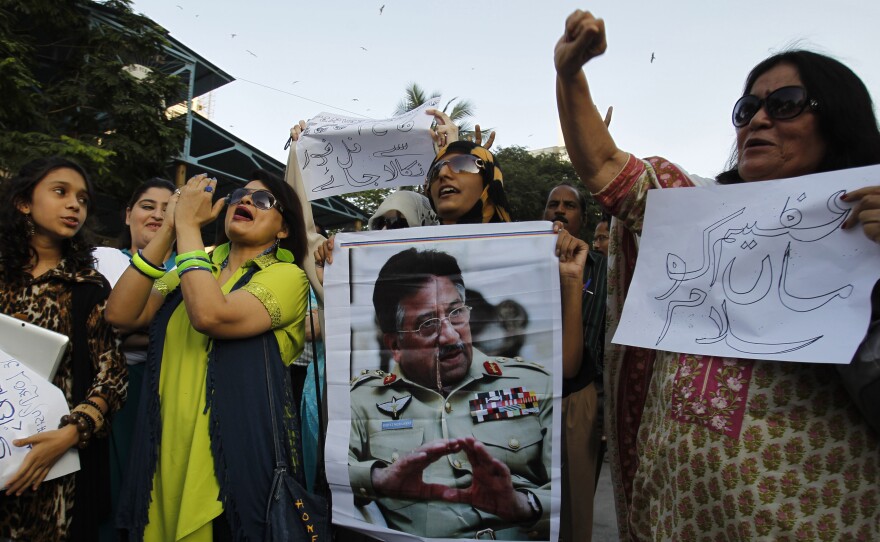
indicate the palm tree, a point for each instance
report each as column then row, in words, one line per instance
column 461, row 112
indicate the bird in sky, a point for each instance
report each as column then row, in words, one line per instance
column 381, row 9
column 652, row 58
column 178, row 5
column 355, row 100
column 233, row 35
column 364, row 48
column 295, row 82
column 250, row 52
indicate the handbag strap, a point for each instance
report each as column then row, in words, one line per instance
column 319, row 391
column 279, row 459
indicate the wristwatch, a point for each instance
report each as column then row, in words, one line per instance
column 534, row 504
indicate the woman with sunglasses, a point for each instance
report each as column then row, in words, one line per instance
column 465, row 185
column 800, row 460
column 223, row 328
column 47, row 278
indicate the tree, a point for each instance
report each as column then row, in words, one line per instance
column 528, row 180
column 414, row 96
column 67, row 88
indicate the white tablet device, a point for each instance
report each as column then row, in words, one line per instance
column 37, row 347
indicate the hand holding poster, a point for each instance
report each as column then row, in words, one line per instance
column 29, row 405
column 446, row 400
column 340, row 155
column 767, row 273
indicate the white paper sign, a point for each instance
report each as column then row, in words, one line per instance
column 341, row 155
column 756, row 270
column 29, row 405
column 512, row 280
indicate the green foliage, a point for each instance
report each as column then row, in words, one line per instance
column 369, row 200
column 461, row 111
column 65, row 90
column 528, row 180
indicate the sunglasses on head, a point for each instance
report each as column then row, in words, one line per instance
column 459, row 163
column 390, row 223
column 781, row 104
column 261, row 198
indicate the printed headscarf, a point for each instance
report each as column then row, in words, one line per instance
column 492, row 205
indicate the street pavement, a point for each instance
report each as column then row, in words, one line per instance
column 604, row 518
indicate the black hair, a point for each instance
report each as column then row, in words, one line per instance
column 17, row 256
column 125, row 240
column 403, row 275
column 291, row 214
column 845, row 112
column 606, row 218
column 582, row 198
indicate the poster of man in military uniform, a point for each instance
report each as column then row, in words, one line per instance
column 448, row 441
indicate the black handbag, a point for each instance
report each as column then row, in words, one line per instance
column 292, row 513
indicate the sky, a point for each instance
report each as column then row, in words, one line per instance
column 295, row 59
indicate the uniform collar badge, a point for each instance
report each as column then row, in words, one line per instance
column 389, row 379
column 395, row 406
column 492, row 368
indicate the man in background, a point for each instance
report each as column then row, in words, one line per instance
column 581, row 403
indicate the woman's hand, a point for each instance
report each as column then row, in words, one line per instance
column 168, row 217
column 297, row 130
column 866, row 212
column 194, row 207
column 445, row 131
column 583, row 40
column 478, row 138
column 323, row 256
column 46, row 448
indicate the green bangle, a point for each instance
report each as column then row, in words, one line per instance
column 146, row 269
column 193, row 263
column 151, row 264
column 193, row 268
column 193, row 255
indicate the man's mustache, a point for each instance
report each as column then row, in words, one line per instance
column 448, row 350
column 561, row 218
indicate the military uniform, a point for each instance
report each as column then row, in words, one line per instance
column 391, row 416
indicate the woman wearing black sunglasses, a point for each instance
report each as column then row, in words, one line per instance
column 223, row 327
column 794, row 458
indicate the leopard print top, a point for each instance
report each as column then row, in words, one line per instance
column 46, row 514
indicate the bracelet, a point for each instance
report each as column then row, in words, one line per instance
column 193, row 255
column 84, row 427
column 182, row 272
column 193, row 264
column 151, row 264
column 94, row 404
column 93, row 412
column 147, row 269
column 138, row 269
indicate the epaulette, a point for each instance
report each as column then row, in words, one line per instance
column 520, row 362
column 367, row 374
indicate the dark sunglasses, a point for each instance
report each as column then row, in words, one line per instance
column 467, row 163
column 393, row 223
column 781, row 104
column 262, row 199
